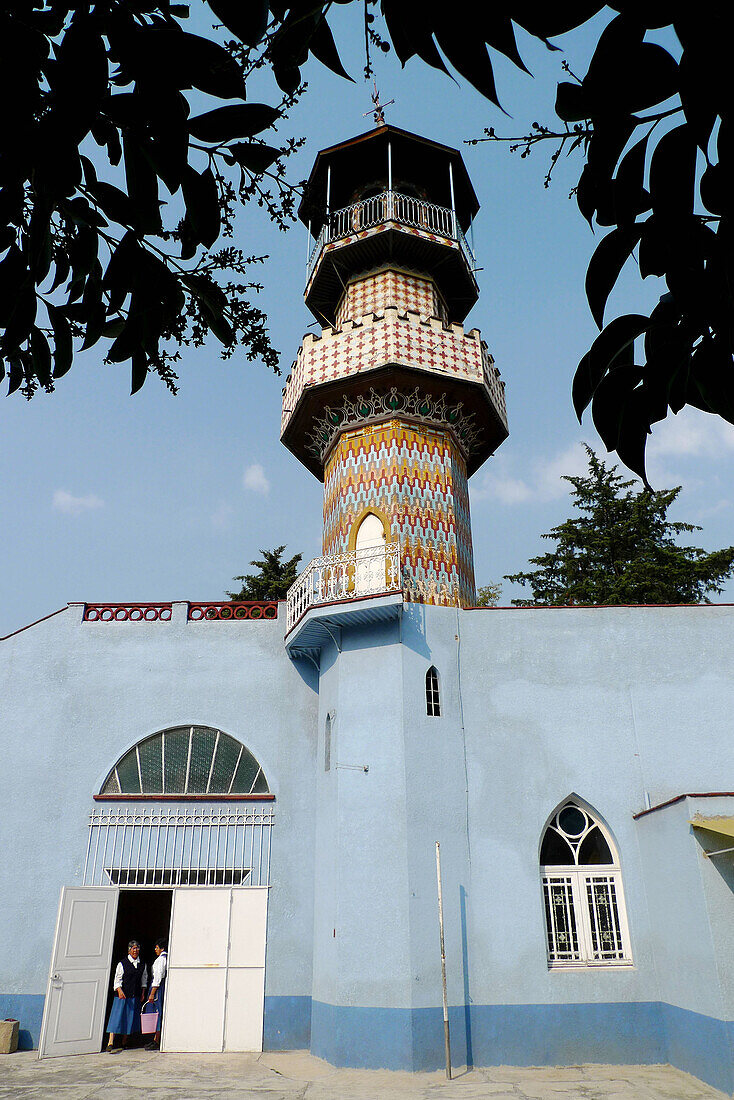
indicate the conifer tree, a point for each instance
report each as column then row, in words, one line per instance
column 621, row 549
column 272, row 579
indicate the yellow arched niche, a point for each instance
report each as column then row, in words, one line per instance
column 352, row 541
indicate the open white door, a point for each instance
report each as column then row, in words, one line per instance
column 80, row 972
column 215, row 986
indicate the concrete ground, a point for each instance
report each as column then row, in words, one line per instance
column 296, row 1075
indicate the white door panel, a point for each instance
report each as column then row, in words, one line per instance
column 247, row 931
column 80, row 969
column 193, row 1014
column 245, row 1004
column 199, row 926
column 216, row 969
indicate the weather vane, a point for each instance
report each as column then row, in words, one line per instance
column 378, row 111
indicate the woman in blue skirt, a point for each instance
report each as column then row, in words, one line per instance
column 130, row 984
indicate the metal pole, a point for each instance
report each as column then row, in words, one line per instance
column 328, row 188
column 447, row 1037
column 389, row 179
column 453, row 201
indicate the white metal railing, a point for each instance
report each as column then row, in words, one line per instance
column 389, row 206
column 178, row 846
column 344, row 577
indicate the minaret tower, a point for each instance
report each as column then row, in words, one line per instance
column 393, row 405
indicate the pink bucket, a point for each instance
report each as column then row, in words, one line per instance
column 148, row 1020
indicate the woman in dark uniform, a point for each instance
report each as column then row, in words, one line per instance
column 130, row 984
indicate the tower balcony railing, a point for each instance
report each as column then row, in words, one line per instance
column 390, row 206
column 370, row 572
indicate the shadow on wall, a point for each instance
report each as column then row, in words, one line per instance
column 307, row 670
column 465, row 973
column 414, row 628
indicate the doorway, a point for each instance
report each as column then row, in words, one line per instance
column 215, row 985
column 145, row 916
column 370, row 556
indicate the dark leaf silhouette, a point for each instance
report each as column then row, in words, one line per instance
column 229, row 122
column 608, row 260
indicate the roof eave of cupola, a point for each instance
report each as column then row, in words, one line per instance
column 481, row 404
column 357, row 159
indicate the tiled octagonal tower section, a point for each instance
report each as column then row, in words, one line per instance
column 394, row 405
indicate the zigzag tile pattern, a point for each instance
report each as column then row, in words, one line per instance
column 417, row 478
column 402, row 289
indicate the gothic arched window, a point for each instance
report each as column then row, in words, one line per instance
column 585, row 915
column 433, row 699
column 187, row 760
column 327, row 742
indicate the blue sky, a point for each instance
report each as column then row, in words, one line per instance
column 110, row 497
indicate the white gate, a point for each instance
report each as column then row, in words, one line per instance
column 215, row 986
column 73, row 1019
column 179, row 846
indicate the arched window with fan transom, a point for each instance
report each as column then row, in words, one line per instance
column 585, row 917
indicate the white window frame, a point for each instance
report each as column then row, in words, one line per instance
column 580, row 883
column 577, row 882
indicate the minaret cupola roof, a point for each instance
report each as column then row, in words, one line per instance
column 363, row 160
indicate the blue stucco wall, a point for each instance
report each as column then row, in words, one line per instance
column 75, row 697
column 623, row 707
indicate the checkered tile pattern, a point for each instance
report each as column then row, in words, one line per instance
column 417, row 478
column 391, row 337
column 402, row 289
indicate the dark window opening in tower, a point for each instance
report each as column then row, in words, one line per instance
column 433, row 702
column 327, row 743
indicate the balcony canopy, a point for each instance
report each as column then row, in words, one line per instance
column 360, row 166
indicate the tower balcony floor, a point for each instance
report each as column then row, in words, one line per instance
column 389, row 207
column 351, row 576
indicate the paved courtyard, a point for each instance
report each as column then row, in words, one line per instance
column 298, row 1076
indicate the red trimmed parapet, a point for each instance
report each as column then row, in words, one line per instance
column 126, row 612
column 254, row 609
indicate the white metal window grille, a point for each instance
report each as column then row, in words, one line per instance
column 182, row 846
column 187, row 760
column 433, row 702
column 585, row 917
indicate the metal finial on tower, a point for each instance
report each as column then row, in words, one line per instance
column 378, row 112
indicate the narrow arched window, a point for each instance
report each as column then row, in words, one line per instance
column 187, row 760
column 433, row 700
column 327, row 743
column 585, row 916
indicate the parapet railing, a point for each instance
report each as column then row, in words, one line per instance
column 162, row 612
column 344, row 577
column 389, row 206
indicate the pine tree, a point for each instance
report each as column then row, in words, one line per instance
column 272, row 579
column 621, row 549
